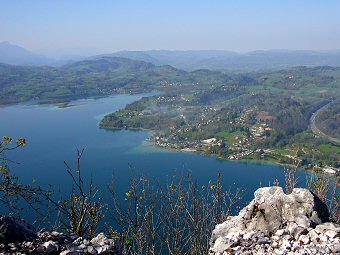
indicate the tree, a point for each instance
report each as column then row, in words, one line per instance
column 82, row 212
column 11, row 190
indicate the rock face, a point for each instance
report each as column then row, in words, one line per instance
column 12, row 229
column 276, row 223
column 18, row 237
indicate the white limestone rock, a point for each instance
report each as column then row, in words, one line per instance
column 277, row 223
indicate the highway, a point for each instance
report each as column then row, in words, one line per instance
column 315, row 129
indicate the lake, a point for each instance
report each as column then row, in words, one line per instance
column 54, row 133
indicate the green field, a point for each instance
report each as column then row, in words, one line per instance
column 230, row 137
column 329, row 148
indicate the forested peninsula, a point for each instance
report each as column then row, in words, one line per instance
column 263, row 115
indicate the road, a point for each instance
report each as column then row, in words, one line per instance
column 315, row 129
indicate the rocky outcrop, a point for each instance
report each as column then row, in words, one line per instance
column 18, row 237
column 13, row 229
column 277, row 223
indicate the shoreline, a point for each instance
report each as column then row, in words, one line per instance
column 243, row 160
column 200, row 152
column 73, row 98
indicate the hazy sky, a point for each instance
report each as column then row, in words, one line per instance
column 175, row 24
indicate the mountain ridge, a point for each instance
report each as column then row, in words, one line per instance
column 232, row 61
column 16, row 55
column 189, row 60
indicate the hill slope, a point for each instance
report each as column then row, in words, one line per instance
column 98, row 77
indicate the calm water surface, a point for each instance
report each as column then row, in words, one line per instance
column 53, row 135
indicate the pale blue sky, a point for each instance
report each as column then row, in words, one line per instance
column 177, row 24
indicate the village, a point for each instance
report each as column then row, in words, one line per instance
column 240, row 149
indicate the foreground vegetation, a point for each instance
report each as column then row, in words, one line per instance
column 148, row 217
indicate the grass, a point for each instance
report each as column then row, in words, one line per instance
column 261, row 89
column 329, row 148
column 231, row 136
column 285, row 151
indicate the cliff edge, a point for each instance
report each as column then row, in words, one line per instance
column 278, row 223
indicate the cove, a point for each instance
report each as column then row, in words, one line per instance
column 53, row 135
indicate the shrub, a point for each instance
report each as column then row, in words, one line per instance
column 176, row 218
column 11, row 190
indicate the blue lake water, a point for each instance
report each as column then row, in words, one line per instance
column 53, row 134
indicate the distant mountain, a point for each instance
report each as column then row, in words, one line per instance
column 232, row 61
column 107, row 64
column 16, row 55
column 135, row 55
column 64, row 55
column 188, row 60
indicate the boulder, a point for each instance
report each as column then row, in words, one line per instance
column 275, row 222
column 50, row 247
column 272, row 209
column 14, row 230
column 16, row 233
